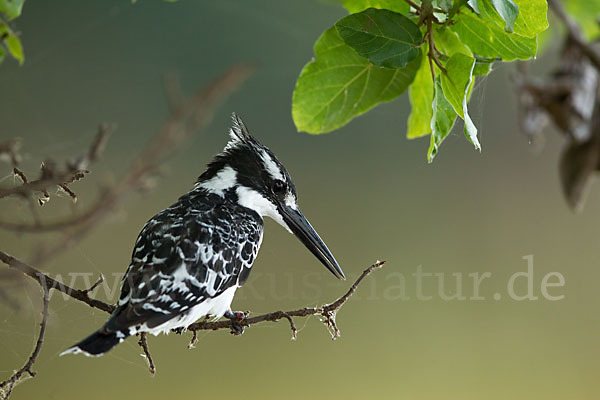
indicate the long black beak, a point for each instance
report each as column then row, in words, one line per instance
column 300, row 226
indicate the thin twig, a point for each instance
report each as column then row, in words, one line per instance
column 144, row 345
column 99, row 282
column 427, row 17
column 292, row 326
column 52, row 176
column 20, row 174
column 336, row 305
column 7, row 386
column 42, row 184
column 327, row 311
column 194, row 340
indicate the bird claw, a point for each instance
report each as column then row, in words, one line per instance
column 236, row 318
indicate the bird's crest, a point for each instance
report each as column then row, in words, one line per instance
column 238, row 131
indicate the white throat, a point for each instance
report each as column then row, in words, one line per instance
column 253, row 200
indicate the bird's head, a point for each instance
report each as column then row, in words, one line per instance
column 249, row 173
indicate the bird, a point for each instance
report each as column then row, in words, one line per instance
column 190, row 258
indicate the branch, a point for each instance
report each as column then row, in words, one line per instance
column 190, row 115
column 7, row 386
column 327, row 311
column 427, row 17
column 47, row 283
column 51, row 176
column 193, row 114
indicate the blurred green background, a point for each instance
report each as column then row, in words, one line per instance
column 367, row 190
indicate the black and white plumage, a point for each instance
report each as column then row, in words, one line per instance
column 190, row 258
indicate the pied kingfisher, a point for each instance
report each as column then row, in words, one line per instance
column 190, row 258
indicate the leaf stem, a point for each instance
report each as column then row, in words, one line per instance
column 426, row 17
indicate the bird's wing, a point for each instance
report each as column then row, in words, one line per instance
column 184, row 255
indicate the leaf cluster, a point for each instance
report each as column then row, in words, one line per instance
column 432, row 48
column 9, row 41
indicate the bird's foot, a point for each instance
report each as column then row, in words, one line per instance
column 178, row 331
column 236, row 317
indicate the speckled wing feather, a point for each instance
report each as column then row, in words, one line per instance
column 189, row 252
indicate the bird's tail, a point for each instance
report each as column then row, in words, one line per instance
column 97, row 343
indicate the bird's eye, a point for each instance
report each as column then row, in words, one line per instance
column 278, row 186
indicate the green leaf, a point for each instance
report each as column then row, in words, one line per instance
column 455, row 84
column 508, row 10
column 420, row 94
column 486, row 39
column 354, row 6
column 385, row 38
column 442, row 121
column 13, row 44
column 456, row 5
column 474, row 5
column 340, row 85
column 532, row 18
column 483, row 67
column 1, row 54
column 456, row 80
column 445, row 5
column 448, row 42
column 11, row 8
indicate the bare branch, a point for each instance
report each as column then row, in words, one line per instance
column 336, row 305
column 99, row 282
column 7, row 386
column 144, row 345
column 327, row 311
column 42, row 184
column 49, row 283
column 192, row 115
column 52, row 176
